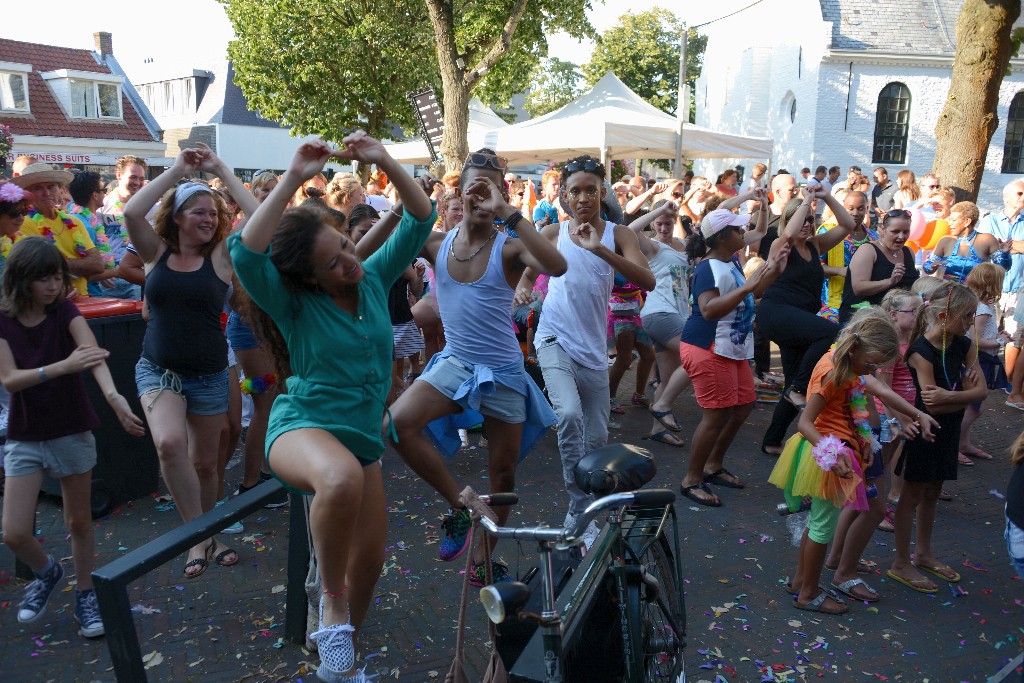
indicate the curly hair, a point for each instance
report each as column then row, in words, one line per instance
column 290, row 251
column 167, row 229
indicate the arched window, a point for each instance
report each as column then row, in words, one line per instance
column 892, row 125
column 1013, row 147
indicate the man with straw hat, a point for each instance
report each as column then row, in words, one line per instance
column 47, row 219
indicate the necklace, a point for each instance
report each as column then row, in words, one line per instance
column 451, row 247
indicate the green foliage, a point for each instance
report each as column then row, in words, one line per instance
column 326, row 67
column 643, row 51
column 555, row 83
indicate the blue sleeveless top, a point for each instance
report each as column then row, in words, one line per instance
column 477, row 316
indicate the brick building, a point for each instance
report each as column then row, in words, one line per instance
column 841, row 82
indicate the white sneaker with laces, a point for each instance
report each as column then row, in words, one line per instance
column 590, row 535
column 337, row 652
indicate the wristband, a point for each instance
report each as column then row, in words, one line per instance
column 42, row 374
column 392, row 210
column 511, row 222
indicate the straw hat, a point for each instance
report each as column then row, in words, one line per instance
column 42, row 173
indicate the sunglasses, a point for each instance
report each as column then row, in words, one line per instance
column 481, row 160
column 590, row 166
column 898, row 213
column 933, row 187
column 677, row 195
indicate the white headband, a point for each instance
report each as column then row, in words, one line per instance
column 186, row 190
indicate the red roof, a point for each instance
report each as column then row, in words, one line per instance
column 46, row 116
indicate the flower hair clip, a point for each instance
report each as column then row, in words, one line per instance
column 11, row 193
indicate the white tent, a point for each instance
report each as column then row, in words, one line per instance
column 613, row 122
column 482, row 119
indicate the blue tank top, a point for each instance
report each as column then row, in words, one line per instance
column 959, row 267
column 477, row 316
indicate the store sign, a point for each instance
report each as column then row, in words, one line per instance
column 71, row 158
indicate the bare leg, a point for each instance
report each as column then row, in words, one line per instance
column 835, row 552
column 912, row 495
column 673, row 381
column 643, row 367
column 256, row 363
column 926, row 525
column 1016, row 372
column 505, row 440
column 857, row 537
column 812, row 557
column 203, row 441
column 232, row 429
column 724, row 438
column 971, row 414
column 704, row 438
column 77, row 492
column 366, row 556
column 623, row 359
column 19, row 519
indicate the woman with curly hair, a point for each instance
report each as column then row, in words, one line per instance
column 182, row 377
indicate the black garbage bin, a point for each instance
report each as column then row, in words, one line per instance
column 126, row 466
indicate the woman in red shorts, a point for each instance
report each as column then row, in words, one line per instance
column 716, row 343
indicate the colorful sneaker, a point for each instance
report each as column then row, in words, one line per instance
column 38, row 593
column 456, row 525
column 337, row 652
column 499, row 574
column 236, row 528
column 87, row 614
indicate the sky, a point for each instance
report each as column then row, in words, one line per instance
column 148, row 51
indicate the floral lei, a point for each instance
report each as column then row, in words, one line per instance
column 80, row 248
column 6, row 243
column 102, row 241
column 257, row 385
column 118, row 212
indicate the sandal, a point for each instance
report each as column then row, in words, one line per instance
column 818, row 604
column 863, row 567
column 221, row 557
column 666, row 437
column 640, row 400
column 976, row 452
column 687, row 492
column 660, row 416
column 787, row 395
column 717, row 479
column 888, row 522
column 617, row 408
column 920, row 585
column 202, row 562
column 847, row 587
column 943, row 571
column 964, row 460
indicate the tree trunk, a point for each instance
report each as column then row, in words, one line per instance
column 968, row 120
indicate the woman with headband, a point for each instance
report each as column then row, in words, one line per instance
column 182, row 377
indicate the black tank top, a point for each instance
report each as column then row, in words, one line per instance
column 882, row 270
column 800, row 283
column 183, row 333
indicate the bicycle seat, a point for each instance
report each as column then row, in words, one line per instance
column 614, row 468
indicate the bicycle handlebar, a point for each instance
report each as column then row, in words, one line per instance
column 648, row 498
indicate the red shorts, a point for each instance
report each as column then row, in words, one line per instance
column 718, row 382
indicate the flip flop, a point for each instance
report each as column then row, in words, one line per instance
column 978, row 453
column 916, row 585
column 846, row 588
column 717, row 479
column 665, row 436
column 617, row 408
column 687, row 491
column 964, row 460
column 1018, row 406
column 660, row 416
column 817, row 604
column 943, row 571
column 863, row 567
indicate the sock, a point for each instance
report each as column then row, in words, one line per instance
column 50, row 562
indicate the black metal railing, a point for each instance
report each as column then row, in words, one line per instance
column 111, row 581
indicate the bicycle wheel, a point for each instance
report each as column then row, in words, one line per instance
column 656, row 607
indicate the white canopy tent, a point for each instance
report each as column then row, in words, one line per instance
column 613, row 122
column 482, row 119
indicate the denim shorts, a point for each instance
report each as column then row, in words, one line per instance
column 1015, row 546
column 448, row 374
column 64, row 456
column 239, row 334
column 204, row 394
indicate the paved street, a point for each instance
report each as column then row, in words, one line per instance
column 228, row 624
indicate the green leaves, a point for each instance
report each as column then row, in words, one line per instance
column 554, row 84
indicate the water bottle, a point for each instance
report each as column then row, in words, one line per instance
column 805, row 504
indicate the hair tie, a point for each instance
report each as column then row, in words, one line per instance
column 926, row 304
column 185, row 191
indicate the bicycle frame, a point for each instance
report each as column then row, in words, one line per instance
column 622, row 542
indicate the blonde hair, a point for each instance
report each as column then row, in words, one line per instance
column 871, row 331
column 895, row 299
column 1017, row 451
column 950, row 298
column 986, row 281
column 262, row 180
column 968, row 210
column 925, row 285
column 341, row 187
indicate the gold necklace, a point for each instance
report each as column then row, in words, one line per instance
column 451, row 247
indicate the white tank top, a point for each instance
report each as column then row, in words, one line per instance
column 575, row 310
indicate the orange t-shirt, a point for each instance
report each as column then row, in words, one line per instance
column 835, row 418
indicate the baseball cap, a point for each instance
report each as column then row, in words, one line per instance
column 718, row 220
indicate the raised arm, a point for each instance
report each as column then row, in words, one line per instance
column 211, row 163
column 759, row 195
column 844, row 224
column 145, row 240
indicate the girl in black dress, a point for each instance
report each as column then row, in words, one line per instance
column 944, row 365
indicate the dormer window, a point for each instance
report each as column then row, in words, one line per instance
column 86, row 94
column 14, row 87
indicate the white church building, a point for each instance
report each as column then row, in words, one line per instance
column 847, row 82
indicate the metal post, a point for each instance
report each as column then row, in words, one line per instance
column 122, row 640
column 682, row 106
column 296, row 600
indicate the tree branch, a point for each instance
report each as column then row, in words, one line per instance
column 500, row 47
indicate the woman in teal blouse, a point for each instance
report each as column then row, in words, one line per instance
column 325, row 314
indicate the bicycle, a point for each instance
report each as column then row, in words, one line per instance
column 624, row 599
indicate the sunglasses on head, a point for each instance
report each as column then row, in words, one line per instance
column 589, row 165
column 481, row 160
column 898, row 213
